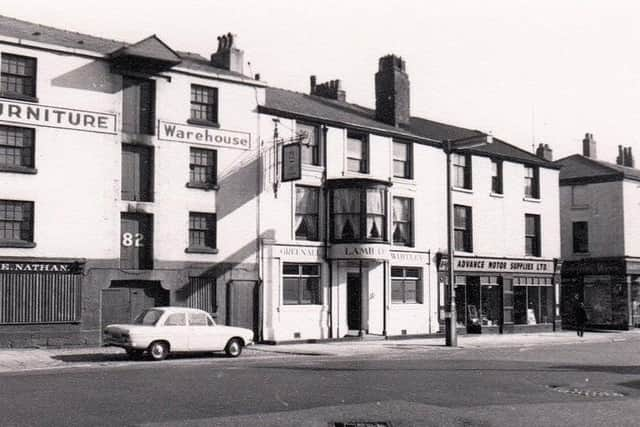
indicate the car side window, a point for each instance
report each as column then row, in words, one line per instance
column 176, row 319
column 197, row 319
column 210, row 322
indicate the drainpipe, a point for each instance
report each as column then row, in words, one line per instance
column 326, row 229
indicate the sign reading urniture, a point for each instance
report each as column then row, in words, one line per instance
column 57, row 117
column 499, row 265
column 193, row 134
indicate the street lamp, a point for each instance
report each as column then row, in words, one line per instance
column 451, row 336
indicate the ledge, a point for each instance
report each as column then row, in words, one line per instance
column 531, row 199
column 496, row 195
column 18, row 96
column 462, row 190
column 207, row 123
column 209, row 251
column 205, row 187
column 18, row 169
column 16, row 244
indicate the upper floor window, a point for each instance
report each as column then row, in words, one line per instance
column 496, row 176
column 137, row 173
column 310, row 139
column 402, row 221
column 16, row 147
column 580, row 237
column 579, row 196
column 204, row 104
column 406, row 286
column 300, row 283
column 532, row 235
column 16, row 223
column 138, row 105
column 202, row 168
column 357, row 153
column 531, row 182
column 461, row 170
column 402, row 160
column 463, row 228
column 307, row 213
column 202, row 232
column 18, row 77
column 358, row 214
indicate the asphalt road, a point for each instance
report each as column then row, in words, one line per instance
column 579, row 384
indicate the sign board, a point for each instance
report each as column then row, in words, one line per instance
column 40, row 267
column 27, row 113
column 203, row 135
column 294, row 252
column 501, row 265
column 409, row 258
column 593, row 266
column 360, row 251
column 291, row 162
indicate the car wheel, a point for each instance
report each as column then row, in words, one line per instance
column 234, row 347
column 159, row 350
column 135, row 354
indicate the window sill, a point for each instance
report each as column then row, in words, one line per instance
column 193, row 250
column 397, row 304
column 529, row 256
column 462, row 253
column 403, row 179
column 206, row 187
column 207, row 123
column 16, row 244
column 18, row 96
column 303, row 240
column 18, row 169
column 496, row 195
column 462, row 190
column 403, row 245
column 531, row 199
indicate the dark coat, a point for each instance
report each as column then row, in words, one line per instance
column 581, row 315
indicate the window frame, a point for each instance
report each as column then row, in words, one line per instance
column 497, row 177
column 410, row 234
column 316, row 158
column 211, row 171
column 25, row 225
column 402, row 281
column 33, row 78
column 306, row 214
column 580, row 242
column 300, row 286
column 407, row 163
column 461, row 171
column 28, row 135
column 363, row 161
column 531, row 182
column 210, row 233
column 362, row 213
column 214, row 121
column 466, row 230
column 535, row 238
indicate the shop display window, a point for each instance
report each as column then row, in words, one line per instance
column 635, row 301
column 533, row 301
column 300, row 284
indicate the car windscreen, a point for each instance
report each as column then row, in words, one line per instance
column 148, row 317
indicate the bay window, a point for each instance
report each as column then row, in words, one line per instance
column 359, row 214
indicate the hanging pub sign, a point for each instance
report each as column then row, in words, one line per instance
column 291, row 162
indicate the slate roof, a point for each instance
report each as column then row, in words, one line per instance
column 577, row 168
column 151, row 47
column 17, row 28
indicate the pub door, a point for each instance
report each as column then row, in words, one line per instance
column 354, row 301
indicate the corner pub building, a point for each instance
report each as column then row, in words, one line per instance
column 127, row 180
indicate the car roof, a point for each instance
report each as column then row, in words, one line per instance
column 174, row 309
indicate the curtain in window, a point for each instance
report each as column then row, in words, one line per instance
column 346, row 208
column 306, row 212
column 401, row 219
column 375, row 214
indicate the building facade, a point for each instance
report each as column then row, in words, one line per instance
column 127, row 180
column 600, row 251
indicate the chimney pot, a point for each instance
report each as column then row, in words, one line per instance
column 228, row 56
column 589, row 146
column 331, row 89
column 544, row 152
column 392, row 91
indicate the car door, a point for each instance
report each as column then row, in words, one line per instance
column 176, row 331
column 202, row 336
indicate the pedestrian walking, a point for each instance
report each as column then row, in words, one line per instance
column 581, row 318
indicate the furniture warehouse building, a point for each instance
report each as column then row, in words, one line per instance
column 132, row 175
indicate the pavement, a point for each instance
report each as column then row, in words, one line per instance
column 20, row 360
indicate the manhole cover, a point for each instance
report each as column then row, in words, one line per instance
column 361, row 424
column 586, row 392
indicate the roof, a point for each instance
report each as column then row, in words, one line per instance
column 312, row 107
column 581, row 169
column 150, row 46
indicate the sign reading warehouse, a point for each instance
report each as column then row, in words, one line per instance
column 193, row 134
column 56, row 117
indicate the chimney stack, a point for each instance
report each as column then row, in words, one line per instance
column 625, row 157
column 544, row 152
column 228, row 56
column 589, row 146
column 392, row 91
column 331, row 89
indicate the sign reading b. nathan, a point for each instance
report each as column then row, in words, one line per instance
column 211, row 136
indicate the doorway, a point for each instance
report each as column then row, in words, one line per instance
column 354, row 301
column 125, row 299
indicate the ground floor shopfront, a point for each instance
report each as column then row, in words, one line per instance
column 609, row 288
column 315, row 292
column 58, row 302
column 501, row 295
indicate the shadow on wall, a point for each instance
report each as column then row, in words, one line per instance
column 237, row 186
column 94, row 76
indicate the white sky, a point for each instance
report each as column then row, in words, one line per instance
column 519, row 69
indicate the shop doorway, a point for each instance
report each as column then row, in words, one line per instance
column 125, row 299
column 354, row 301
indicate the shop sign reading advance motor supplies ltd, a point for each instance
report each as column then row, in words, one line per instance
column 486, row 265
column 56, row 117
column 211, row 136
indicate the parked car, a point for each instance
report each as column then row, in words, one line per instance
column 163, row 330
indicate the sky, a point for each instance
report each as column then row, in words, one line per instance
column 529, row 72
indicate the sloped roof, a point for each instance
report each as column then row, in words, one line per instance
column 502, row 149
column 576, row 168
column 151, row 47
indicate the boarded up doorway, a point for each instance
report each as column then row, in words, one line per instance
column 125, row 299
column 242, row 305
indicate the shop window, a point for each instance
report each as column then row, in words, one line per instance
column 533, row 301
column 406, row 286
column 496, row 176
column 300, row 284
column 16, row 148
column 463, row 228
column 402, row 221
column 532, row 235
column 402, row 160
column 137, row 173
column 16, row 223
column 310, row 138
column 138, row 106
column 461, row 164
column 357, row 153
column 202, row 232
column 204, row 105
column 203, row 168
column 18, row 77
column 532, row 182
column 460, row 283
column 580, row 237
column 307, row 213
column 359, row 214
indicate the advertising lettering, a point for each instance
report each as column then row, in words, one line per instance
column 498, row 265
column 218, row 137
